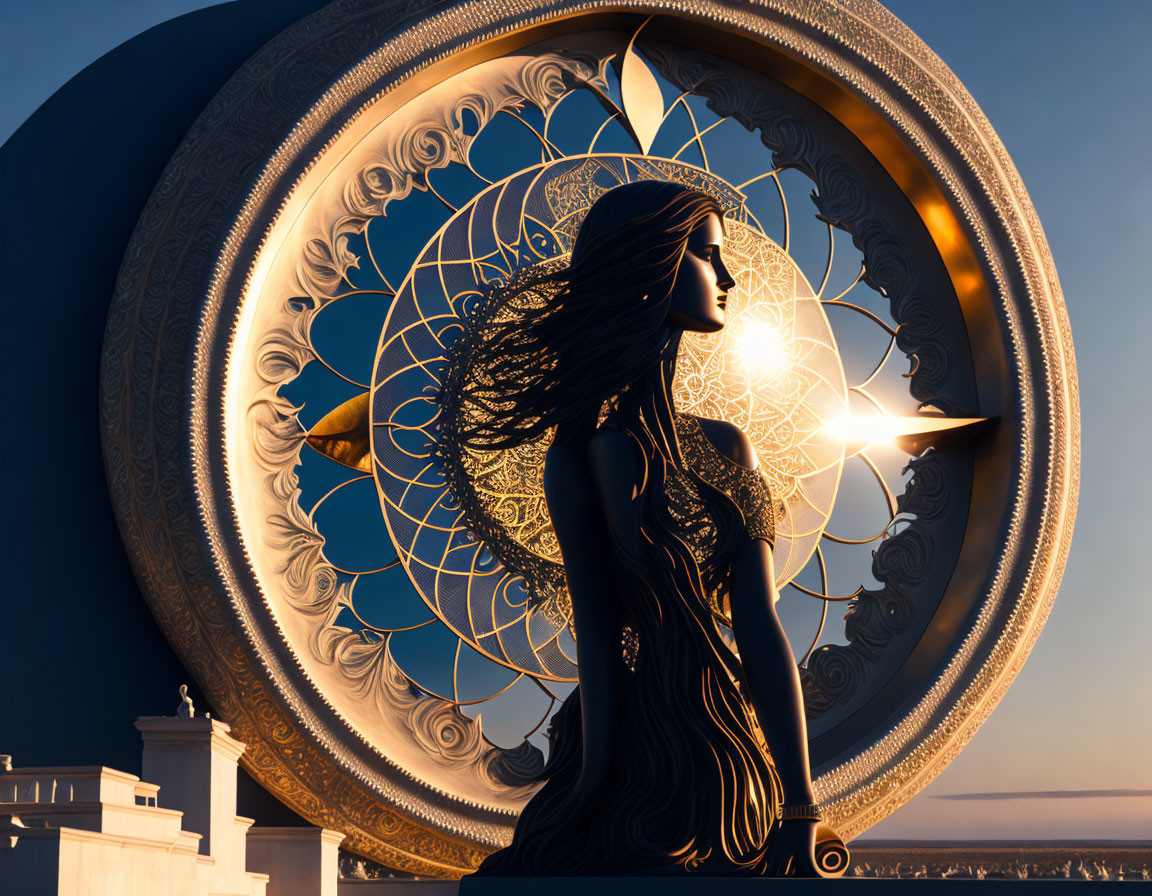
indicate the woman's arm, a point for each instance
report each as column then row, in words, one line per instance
column 770, row 670
column 770, row 673
column 580, row 531
column 774, row 691
column 765, row 654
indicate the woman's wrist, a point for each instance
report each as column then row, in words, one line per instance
column 800, row 794
column 807, row 811
column 798, row 824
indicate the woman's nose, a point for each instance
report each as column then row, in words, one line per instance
column 723, row 278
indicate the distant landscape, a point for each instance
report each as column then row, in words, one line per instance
column 1127, row 860
column 1112, row 860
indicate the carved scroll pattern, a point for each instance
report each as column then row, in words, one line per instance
column 311, row 585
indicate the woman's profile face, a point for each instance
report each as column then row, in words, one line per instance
column 700, row 290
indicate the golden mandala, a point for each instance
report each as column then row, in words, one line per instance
column 480, row 548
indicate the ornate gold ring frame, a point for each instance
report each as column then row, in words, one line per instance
column 178, row 383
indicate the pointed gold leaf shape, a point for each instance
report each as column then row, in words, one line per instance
column 914, row 434
column 643, row 102
column 343, row 434
column 911, row 434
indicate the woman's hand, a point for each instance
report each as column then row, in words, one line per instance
column 792, row 850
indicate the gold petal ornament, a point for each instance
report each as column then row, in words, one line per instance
column 643, row 102
column 343, row 435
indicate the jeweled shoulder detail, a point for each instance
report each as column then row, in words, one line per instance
column 745, row 487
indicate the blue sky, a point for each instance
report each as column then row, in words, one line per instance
column 1068, row 90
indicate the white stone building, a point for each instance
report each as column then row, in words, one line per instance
column 95, row 831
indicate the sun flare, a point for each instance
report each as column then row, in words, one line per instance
column 860, row 432
column 762, row 349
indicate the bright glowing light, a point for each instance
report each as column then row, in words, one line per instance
column 761, row 348
column 864, row 431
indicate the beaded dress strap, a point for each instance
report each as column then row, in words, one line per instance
column 745, row 487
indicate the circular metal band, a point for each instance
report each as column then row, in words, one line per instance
column 221, row 212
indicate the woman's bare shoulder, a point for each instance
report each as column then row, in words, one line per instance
column 729, row 440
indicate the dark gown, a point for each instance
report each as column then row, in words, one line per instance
column 693, row 786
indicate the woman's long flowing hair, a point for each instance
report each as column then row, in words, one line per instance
column 602, row 335
column 698, row 789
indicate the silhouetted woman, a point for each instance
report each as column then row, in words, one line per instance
column 672, row 754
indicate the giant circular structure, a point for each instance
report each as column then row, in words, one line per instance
column 345, row 584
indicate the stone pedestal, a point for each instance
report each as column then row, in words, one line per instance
column 193, row 760
column 300, row 861
column 194, row 763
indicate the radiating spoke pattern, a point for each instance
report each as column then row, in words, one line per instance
column 447, row 556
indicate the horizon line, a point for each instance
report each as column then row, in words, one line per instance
column 1044, row 794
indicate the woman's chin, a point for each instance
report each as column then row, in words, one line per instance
column 697, row 324
column 711, row 325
